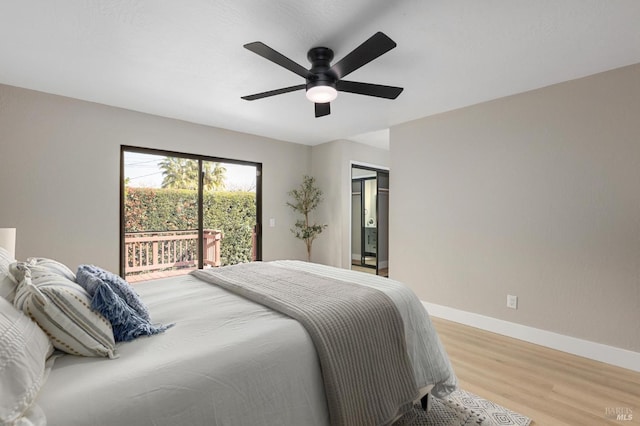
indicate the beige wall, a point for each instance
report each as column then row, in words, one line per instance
column 331, row 166
column 536, row 195
column 60, row 171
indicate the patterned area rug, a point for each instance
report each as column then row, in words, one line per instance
column 462, row 408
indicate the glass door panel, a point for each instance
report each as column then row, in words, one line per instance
column 230, row 210
column 370, row 195
column 356, row 222
column 363, row 219
column 160, row 215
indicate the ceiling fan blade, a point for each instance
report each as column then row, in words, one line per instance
column 277, row 58
column 273, row 92
column 323, row 109
column 376, row 45
column 377, row 90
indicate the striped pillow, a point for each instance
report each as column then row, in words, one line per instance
column 63, row 310
column 52, row 266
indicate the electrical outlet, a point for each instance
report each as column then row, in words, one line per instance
column 512, row 301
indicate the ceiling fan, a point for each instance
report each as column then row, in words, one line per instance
column 323, row 81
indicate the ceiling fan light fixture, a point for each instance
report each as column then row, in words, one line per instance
column 323, row 80
column 322, row 94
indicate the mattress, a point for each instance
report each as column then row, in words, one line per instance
column 227, row 361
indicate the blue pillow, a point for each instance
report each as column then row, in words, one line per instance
column 126, row 321
column 118, row 285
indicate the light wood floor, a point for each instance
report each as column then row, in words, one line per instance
column 551, row 387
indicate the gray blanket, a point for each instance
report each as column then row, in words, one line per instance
column 357, row 331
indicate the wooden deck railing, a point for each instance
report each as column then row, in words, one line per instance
column 156, row 251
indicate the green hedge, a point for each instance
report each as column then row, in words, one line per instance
column 233, row 213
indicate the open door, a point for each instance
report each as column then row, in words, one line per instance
column 382, row 255
column 369, row 218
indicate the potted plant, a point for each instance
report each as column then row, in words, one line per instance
column 305, row 199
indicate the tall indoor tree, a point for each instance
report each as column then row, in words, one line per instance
column 305, row 199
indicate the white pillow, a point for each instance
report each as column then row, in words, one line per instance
column 7, row 283
column 53, row 266
column 63, row 310
column 24, row 349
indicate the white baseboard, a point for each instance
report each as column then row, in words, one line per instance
column 596, row 351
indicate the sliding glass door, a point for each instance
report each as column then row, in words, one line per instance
column 181, row 212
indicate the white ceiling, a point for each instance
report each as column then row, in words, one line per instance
column 184, row 59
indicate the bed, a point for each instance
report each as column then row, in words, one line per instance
column 226, row 361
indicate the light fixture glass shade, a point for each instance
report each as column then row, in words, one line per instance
column 322, row 94
column 8, row 240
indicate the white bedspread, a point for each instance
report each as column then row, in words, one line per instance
column 227, row 361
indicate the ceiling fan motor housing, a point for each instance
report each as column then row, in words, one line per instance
column 320, row 74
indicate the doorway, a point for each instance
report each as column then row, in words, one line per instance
column 370, row 220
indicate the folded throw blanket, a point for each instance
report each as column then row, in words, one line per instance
column 357, row 331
